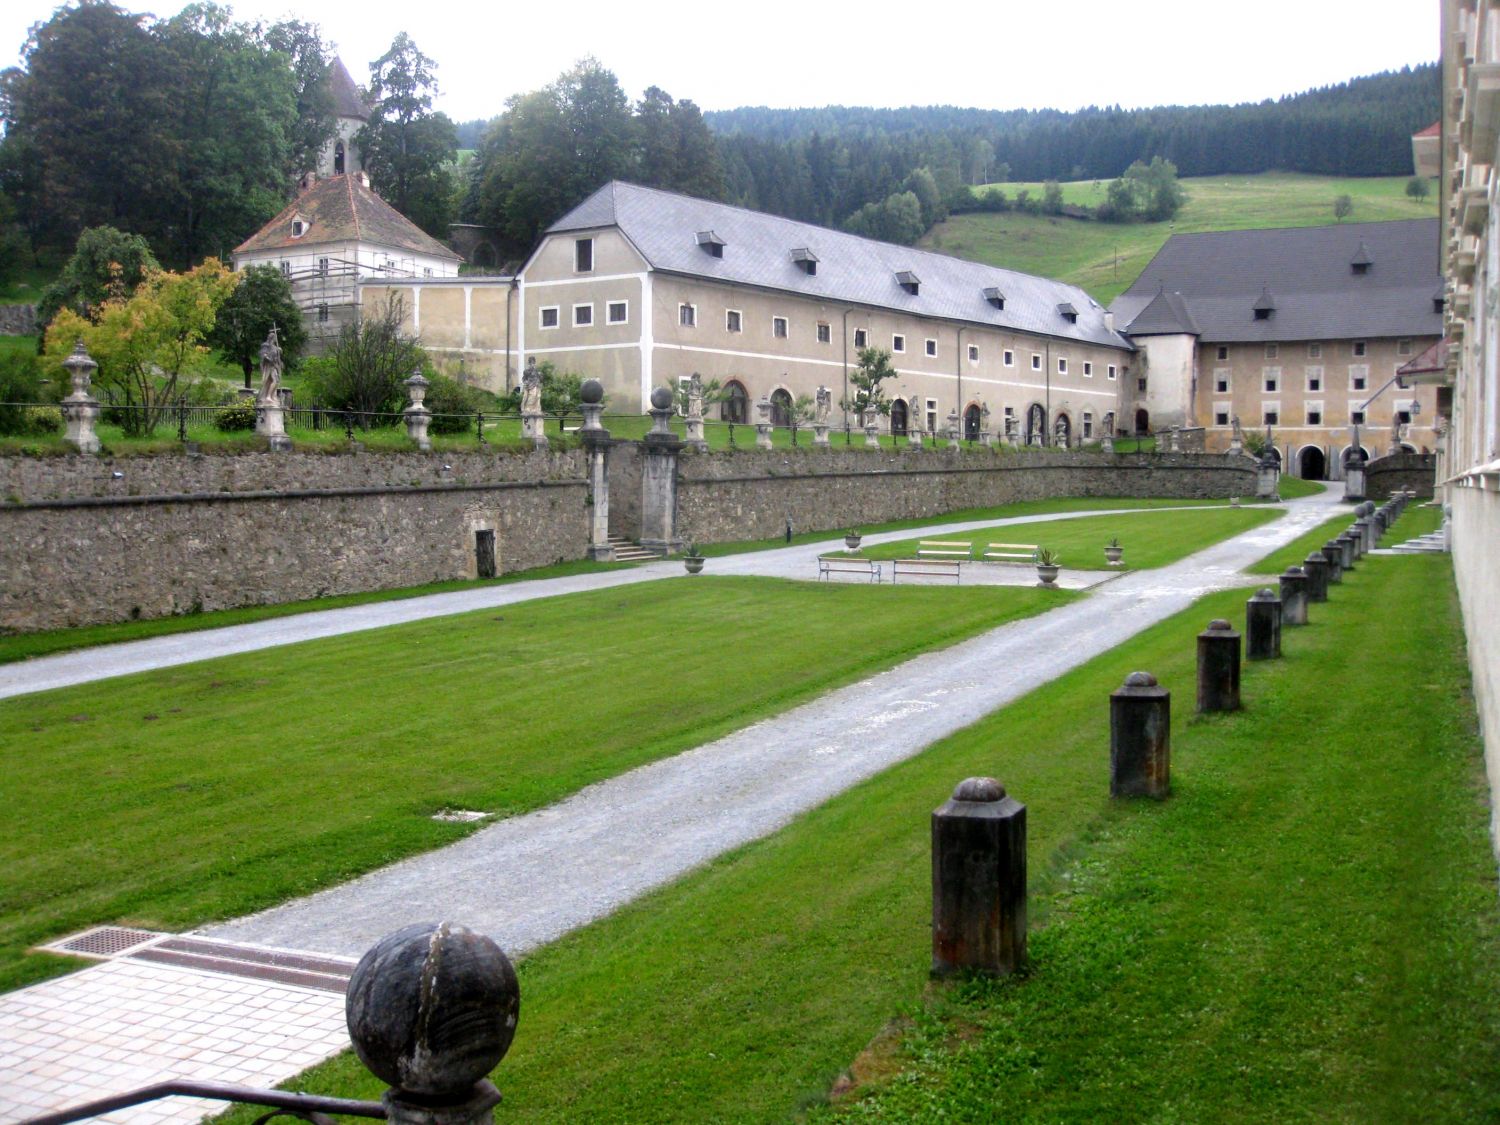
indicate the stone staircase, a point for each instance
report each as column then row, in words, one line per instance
column 626, row 551
column 1429, row 544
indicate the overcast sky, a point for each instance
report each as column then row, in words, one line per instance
column 994, row 55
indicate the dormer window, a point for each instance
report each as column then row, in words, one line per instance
column 805, row 260
column 1361, row 261
column 909, row 281
column 1068, row 312
column 995, row 297
column 711, row 244
column 1265, row 304
column 1437, row 303
column 299, row 226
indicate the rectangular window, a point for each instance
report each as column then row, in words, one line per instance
column 617, row 312
column 1222, row 353
column 1357, row 349
column 1221, row 417
column 322, row 267
column 1221, row 380
column 583, row 255
column 1356, row 417
column 973, row 353
column 1062, row 366
column 1088, row 369
column 1008, row 358
column 932, row 416
column 547, row 316
column 1272, row 351
column 1110, row 371
column 733, row 322
column 825, row 333
column 583, row 316
column 930, row 347
column 322, row 314
column 1088, row 425
column 1314, row 351
column 1403, row 347
column 286, row 269
column 1140, row 384
column 1270, row 414
column 1272, row 377
column 687, row 316
column 898, row 343
column 1314, row 413
column 1359, row 377
column 1036, row 362
column 861, row 338
column 778, row 327
column 1315, row 378
column 426, row 272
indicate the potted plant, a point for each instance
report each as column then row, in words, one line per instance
column 1113, row 552
column 852, row 538
column 1046, row 565
column 1234, row 501
column 691, row 559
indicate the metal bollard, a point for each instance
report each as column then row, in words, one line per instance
column 1263, row 626
column 1335, row 556
column 1219, row 667
column 979, row 880
column 1140, row 738
column 1294, row 596
column 1315, row 566
column 431, row 1009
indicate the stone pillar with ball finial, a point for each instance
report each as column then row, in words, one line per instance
column 596, row 444
column 662, row 450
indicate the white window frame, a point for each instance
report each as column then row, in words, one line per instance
column 1359, row 349
column 861, row 337
column 1315, row 350
column 1112, row 372
column 1356, row 415
column 1036, row 361
column 973, row 353
column 734, row 320
column 687, row 315
column 1222, row 353
column 1359, row 371
column 1062, row 365
column 898, row 343
column 1224, row 408
column 1270, row 380
column 784, row 324
column 1309, row 407
column 825, row 332
column 932, row 415
column 589, row 323
column 1269, row 407
column 929, row 347
column 1311, row 373
column 1008, row 358
column 286, row 268
column 1273, row 351
column 1088, row 425
column 1403, row 346
column 1088, row 369
column 322, row 267
column 609, row 312
column 578, row 245
column 541, row 318
column 1223, row 380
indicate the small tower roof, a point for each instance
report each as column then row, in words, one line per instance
column 347, row 100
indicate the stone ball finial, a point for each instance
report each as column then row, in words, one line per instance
column 661, row 399
column 432, row 1008
column 1140, row 679
column 979, row 789
column 1264, row 594
column 1294, row 572
column 1219, row 625
column 592, row 391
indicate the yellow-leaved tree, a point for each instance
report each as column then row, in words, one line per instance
column 145, row 341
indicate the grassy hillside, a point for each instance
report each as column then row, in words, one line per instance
column 1104, row 258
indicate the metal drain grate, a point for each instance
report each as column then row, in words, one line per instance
column 104, row 941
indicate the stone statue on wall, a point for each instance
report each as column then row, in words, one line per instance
column 531, row 388
column 695, row 396
column 1238, row 434
column 270, row 369
column 824, row 404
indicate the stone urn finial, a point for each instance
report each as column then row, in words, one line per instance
column 80, row 367
column 416, row 387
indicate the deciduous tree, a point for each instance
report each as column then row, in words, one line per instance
column 868, row 381
column 261, row 299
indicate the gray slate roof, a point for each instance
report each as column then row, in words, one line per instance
column 347, row 100
column 1219, row 277
column 758, row 247
column 1166, row 314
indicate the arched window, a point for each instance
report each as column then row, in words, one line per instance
column 971, row 422
column 1036, row 424
column 338, row 159
column 898, row 418
column 736, row 404
column 1142, row 421
column 781, row 407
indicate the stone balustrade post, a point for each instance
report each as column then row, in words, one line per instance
column 432, row 1009
column 763, row 424
column 872, row 434
column 662, row 449
column 1345, row 543
column 80, row 410
column 1294, row 596
column 1263, row 626
column 979, row 880
column 1219, row 667
column 1140, row 738
column 596, row 444
column 953, row 443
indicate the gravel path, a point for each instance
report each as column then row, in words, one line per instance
column 517, row 881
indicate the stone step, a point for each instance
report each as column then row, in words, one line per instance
column 626, row 551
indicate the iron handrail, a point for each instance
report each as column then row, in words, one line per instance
column 309, row 1107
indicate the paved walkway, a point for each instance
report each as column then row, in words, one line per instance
column 657, row 821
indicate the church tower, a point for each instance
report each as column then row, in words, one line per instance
column 341, row 154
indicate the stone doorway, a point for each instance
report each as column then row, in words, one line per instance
column 1312, row 464
column 898, row 418
column 484, row 553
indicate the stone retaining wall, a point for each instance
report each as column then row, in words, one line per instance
column 173, row 534
column 17, row 320
column 1398, row 471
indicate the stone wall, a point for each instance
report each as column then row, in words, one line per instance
column 1399, row 471
column 17, row 320
column 172, row 534
column 1475, row 529
column 750, row 495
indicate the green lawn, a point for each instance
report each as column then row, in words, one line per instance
column 1104, row 258
column 1150, row 539
column 229, row 785
column 1413, row 522
column 1303, row 931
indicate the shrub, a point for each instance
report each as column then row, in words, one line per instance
column 236, row 418
column 20, row 383
column 452, row 404
column 41, row 421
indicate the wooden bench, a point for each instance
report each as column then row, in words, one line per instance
column 944, row 549
column 1010, row 552
column 926, row 568
column 867, row 568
